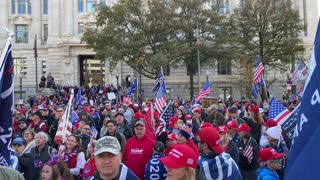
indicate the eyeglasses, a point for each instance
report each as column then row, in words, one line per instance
column 60, row 111
column 233, row 112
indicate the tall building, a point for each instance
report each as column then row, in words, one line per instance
column 58, row 26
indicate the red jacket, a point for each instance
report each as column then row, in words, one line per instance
column 137, row 153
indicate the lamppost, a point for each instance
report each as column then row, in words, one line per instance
column 21, row 76
column 208, row 73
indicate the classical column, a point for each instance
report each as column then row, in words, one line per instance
column 4, row 9
column 54, row 18
column 68, row 24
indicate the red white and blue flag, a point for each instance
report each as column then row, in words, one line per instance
column 6, row 102
column 258, row 78
column 300, row 71
column 278, row 112
column 205, row 91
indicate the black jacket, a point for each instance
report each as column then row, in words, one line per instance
column 244, row 163
column 25, row 166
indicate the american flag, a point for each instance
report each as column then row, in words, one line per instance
column 248, row 153
column 159, row 82
column 258, row 78
column 93, row 132
column 167, row 113
column 160, row 100
column 205, row 91
column 6, row 102
column 278, row 112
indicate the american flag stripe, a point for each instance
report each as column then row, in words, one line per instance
column 160, row 103
column 258, row 73
column 248, row 152
column 205, row 91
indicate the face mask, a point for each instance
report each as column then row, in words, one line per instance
column 146, row 109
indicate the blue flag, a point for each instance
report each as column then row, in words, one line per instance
column 304, row 156
column 74, row 117
column 133, row 88
column 159, row 82
column 6, row 103
column 79, row 97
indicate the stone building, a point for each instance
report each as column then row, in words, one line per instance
column 59, row 24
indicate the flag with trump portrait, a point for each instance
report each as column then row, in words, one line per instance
column 6, row 102
column 304, row 154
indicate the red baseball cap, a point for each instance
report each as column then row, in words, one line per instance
column 232, row 124
column 180, row 156
column 197, row 111
column 268, row 154
column 172, row 136
column 187, row 117
column 211, row 136
column 270, row 123
column 138, row 115
column 223, row 128
column 172, row 121
column 254, row 108
column 244, row 127
column 206, row 124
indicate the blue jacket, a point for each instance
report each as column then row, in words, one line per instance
column 220, row 166
column 266, row 174
column 155, row 169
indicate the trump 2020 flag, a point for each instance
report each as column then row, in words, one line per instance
column 304, row 156
column 133, row 87
column 6, row 102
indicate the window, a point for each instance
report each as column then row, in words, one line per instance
column 21, row 7
column 20, row 65
column 80, row 27
column 44, row 67
column 227, row 6
column 13, row 6
column 80, row 5
column 21, row 34
column 29, row 7
column 224, row 68
column 166, row 70
column 90, row 5
column 45, row 6
column 45, row 33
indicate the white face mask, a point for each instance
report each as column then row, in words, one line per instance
column 146, row 109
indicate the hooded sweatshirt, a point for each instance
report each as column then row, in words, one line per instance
column 267, row 174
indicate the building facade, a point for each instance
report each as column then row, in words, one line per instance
column 57, row 26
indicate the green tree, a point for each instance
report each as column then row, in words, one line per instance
column 150, row 34
column 268, row 28
column 133, row 31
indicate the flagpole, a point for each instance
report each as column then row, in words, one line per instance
column 265, row 88
column 36, row 59
column 137, row 89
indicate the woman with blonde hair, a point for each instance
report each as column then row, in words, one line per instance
column 28, row 136
column 180, row 163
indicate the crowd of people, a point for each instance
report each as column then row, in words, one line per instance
column 227, row 140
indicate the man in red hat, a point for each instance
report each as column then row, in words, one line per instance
column 171, row 141
column 229, row 146
column 174, row 125
column 248, row 153
column 214, row 162
column 271, row 161
column 232, row 131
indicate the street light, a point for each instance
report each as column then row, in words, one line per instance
column 208, row 73
column 21, row 76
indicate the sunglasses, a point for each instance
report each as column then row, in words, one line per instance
column 233, row 112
